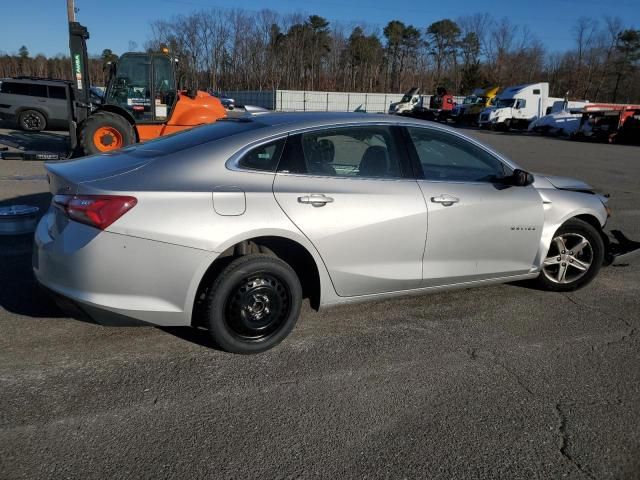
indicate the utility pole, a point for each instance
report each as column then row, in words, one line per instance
column 71, row 11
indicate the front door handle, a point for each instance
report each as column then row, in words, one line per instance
column 445, row 199
column 316, row 199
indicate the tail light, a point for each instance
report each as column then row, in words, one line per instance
column 98, row 211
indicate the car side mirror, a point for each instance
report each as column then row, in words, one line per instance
column 520, row 178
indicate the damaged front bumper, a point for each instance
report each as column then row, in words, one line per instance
column 619, row 250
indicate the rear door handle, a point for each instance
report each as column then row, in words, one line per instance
column 445, row 199
column 316, row 199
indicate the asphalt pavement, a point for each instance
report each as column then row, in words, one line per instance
column 497, row 382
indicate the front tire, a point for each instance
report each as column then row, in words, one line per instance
column 104, row 132
column 253, row 304
column 574, row 257
column 32, row 121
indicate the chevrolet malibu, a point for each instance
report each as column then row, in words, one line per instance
column 231, row 225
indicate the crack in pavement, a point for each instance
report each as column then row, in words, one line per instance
column 513, row 374
column 493, row 358
column 564, row 445
column 631, row 329
column 561, row 428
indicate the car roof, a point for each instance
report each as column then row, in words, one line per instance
column 46, row 81
column 302, row 120
column 278, row 123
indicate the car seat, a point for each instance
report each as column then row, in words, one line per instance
column 321, row 156
column 374, row 162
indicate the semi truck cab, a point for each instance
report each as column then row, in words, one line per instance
column 408, row 102
column 518, row 106
column 469, row 110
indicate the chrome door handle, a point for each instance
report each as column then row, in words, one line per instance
column 316, row 199
column 446, row 200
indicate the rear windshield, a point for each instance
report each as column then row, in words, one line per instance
column 191, row 138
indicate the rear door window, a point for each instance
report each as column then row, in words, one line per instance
column 361, row 151
column 57, row 92
column 38, row 90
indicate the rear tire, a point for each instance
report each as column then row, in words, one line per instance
column 104, row 132
column 32, row 121
column 574, row 257
column 253, row 304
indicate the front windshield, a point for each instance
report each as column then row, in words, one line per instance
column 406, row 98
column 507, row 102
column 481, row 100
column 469, row 99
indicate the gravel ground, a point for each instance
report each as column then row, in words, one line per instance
column 497, row 382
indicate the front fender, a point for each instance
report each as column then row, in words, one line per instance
column 561, row 206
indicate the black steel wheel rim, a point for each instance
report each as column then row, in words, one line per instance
column 31, row 121
column 257, row 307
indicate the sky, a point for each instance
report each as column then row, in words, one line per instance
column 41, row 25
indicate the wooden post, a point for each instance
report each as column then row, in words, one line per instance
column 71, row 11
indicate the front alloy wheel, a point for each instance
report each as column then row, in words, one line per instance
column 574, row 258
column 568, row 259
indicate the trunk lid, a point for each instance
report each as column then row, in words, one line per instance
column 65, row 177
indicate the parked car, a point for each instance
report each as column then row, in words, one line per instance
column 35, row 104
column 227, row 102
column 232, row 224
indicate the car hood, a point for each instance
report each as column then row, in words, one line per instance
column 561, row 183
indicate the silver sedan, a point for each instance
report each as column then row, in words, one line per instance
column 231, row 225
